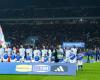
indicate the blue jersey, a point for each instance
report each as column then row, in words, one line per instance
column 45, row 59
column 28, row 57
column 12, row 57
column 72, row 56
column 5, row 56
column 36, row 58
column 18, row 57
column 79, row 56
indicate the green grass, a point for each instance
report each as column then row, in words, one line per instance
column 90, row 72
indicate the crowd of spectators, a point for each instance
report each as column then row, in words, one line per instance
column 54, row 34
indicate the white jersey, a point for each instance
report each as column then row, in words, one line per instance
column 37, row 52
column 44, row 52
column 29, row 50
column 9, row 51
column 67, row 53
column 60, row 53
column 74, row 50
column 50, row 53
column 22, row 51
column 60, row 50
column 14, row 51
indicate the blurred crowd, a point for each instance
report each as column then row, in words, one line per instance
column 53, row 34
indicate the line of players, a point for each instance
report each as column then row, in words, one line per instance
column 38, row 55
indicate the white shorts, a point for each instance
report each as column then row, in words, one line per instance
column 12, row 60
column 17, row 61
column 67, row 59
column 73, row 61
column 79, row 62
column 5, row 60
column 28, row 61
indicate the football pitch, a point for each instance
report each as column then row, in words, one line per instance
column 91, row 72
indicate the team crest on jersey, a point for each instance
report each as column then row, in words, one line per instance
column 72, row 56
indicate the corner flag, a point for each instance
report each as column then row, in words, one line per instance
column 2, row 40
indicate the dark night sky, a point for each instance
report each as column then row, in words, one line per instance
column 47, row 3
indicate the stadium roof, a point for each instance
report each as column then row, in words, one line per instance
column 47, row 3
column 19, row 9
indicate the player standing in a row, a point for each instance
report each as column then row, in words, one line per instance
column 44, row 53
column 22, row 52
column 80, row 56
column 67, row 54
column 73, row 54
column 60, row 54
column 37, row 55
column 29, row 51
